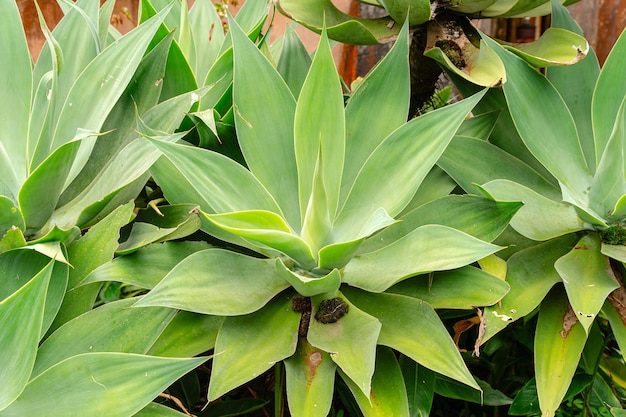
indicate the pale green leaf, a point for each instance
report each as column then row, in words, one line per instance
column 338, row 338
column 274, row 332
column 609, row 95
column 294, row 61
column 208, row 36
column 310, row 376
column 217, row 281
column 530, row 274
column 588, row 278
column 158, row 410
column 16, row 84
column 265, row 229
column 10, row 216
column 317, row 219
column 559, row 341
column 464, row 288
column 617, row 252
column 583, row 75
column 114, row 327
column 415, row 12
column 479, row 126
column 21, row 320
column 388, row 397
column 307, row 284
column 540, row 218
column 427, row 248
column 556, row 46
column 472, row 162
column 146, row 267
column 436, row 184
column 316, row 14
column 188, row 334
column 377, row 107
column 93, row 383
column 428, row 343
column 264, row 122
column 400, row 163
column 320, row 138
column 557, row 147
column 614, row 313
column 470, row 6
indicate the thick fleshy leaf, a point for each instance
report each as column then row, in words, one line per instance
column 274, row 332
column 486, row 396
column 616, row 317
column 479, row 126
column 16, row 84
column 464, row 288
column 556, row 46
column 539, row 218
column 316, row 14
column 480, row 217
column 146, row 267
column 114, row 327
column 214, row 177
column 530, row 274
column 377, row 107
column 405, row 157
column 427, row 248
column 614, row 251
column 470, row 6
column 320, row 141
column 559, row 341
column 265, row 229
column 428, row 344
column 307, row 284
column 217, row 281
column 436, row 184
column 21, row 320
column 388, row 396
column 310, row 381
column 337, row 334
column 188, row 334
column 294, row 61
column 208, row 36
column 609, row 182
column 10, row 216
column 588, row 278
column 558, row 147
column 472, row 162
column 94, row 382
column 482, row 67
column 264, row 122
column 583, row 75
column 609, row 95
column 158, row 410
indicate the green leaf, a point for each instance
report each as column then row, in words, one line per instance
column 310, row 381
column 480, row 217
column 217, row 281
column 420, row 387
column 428, row 344
column 540, row 218
column 558, row 147
column 559, row 341
column 588, row 278
column 320, row 146
column 608, row 95
column 264, row 122
column 114, row 327
column 486, row 396
column 338, row 338
column 479, row 126
column 583, row 75
column 16, row 84
column 464, row 288
column 158, row 410
column 93, row 382
column 609, row 182
column 146, row 267
column 530, row 274
column 274, row 330
column 214, row 177
column 614, row 251
column 388, row 395
column 188, row 334
column 21, row 320
column 405, row 157
column 208, row 37
column 556, row 46
column 472, row 162
column 306, row 284
column 427, row 248
column 377, row 107
column 294, row 61
column 265, row 229
column 316, row 14
column 10, row 216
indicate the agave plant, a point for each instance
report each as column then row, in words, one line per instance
column 313, row 246
column 566, row 163
column 70, row 127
